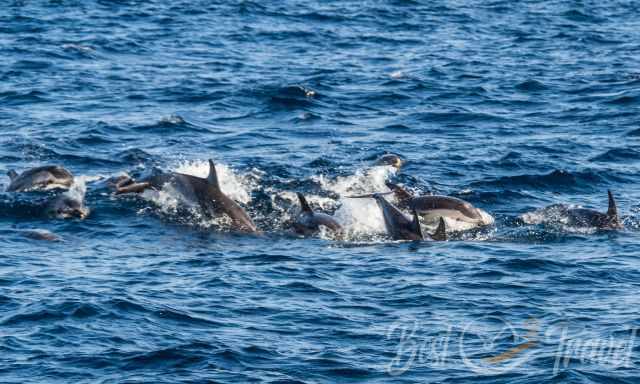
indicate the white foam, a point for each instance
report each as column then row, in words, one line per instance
column 78, row 189
column 359, row 216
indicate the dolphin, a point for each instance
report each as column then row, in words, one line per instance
column 40, row 234
column 205, row 192
column 309, row 222
column 64, row 206
column 39, row 178
column 401, row 227
column 390, row 159
column 577, row 217
column 432, row 208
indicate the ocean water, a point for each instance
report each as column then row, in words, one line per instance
column 510, row 105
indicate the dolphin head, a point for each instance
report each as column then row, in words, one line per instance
column 65, row 207
column 390, row 159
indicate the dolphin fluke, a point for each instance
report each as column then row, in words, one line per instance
column 303, row 203
column 416, row 224
column 441, row 232
column 12, row 174
column 212, row 178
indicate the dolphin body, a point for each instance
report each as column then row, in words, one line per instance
column 309, row 222
column 39, row 178
column 401, row 227
column 205, row 192
column 432, row 208
column 577, row 217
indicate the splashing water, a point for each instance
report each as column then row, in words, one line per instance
column 360, row 216
column 365, row 180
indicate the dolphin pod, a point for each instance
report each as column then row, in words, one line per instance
column 444, row 212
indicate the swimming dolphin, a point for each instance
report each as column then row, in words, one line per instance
column 65, row 207
column 40, row 234
column 390, row 159
column 46, row 177
column 432, row 208
column 309, row 222
column 577, row 217
column 204, row 192
column 399, row 226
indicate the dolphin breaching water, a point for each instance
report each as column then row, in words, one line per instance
column 576, row 217
column 204, row 192
column 458, row 214
column 309, row 222
column 401, row 227
column 40, row 178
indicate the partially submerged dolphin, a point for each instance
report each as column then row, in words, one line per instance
column 39, row 178
column 64, row 206
column 205, row 192
column 577, row 217
column 432, row 208
column 399, row 226
column 309, row 222
column 40, row 234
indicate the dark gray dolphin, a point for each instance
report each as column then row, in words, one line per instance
column 579, row 217
column 309, row 222
column 434, row 207
column 40, row 178
column 399, row 226
column 66, row 207
column 390, row 159
column 206, row 193
column 40, row 234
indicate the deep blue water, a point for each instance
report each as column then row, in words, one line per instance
column 509, row 105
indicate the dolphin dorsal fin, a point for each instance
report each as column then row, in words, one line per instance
column 212, row 179
column 303, row 203
column 441, row 232
column 613, row 210
column 416, row 224
column 12, row 174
